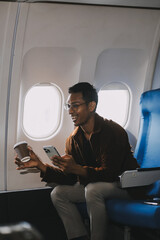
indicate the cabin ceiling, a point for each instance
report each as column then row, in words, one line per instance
column 126, row 3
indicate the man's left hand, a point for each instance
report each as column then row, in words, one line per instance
column 66, row 163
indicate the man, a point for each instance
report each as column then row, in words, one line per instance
column 97, row 152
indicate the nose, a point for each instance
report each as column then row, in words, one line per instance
column 71, row 110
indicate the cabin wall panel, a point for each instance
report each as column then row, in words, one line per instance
column 26, row 206
column 4, row 209
column 89, row 30
column 7, row 20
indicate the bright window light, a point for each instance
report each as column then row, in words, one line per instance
column 42, row 111
column 114, row 104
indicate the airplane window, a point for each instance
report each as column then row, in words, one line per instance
column 42, row 111
column 113, row 103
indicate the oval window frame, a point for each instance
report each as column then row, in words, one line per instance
column 57, row 127
column 119, row 86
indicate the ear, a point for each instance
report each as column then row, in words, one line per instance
column 92, row 106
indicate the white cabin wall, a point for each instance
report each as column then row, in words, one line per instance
column 156, row 78
column 7, row 23
column 83, row 32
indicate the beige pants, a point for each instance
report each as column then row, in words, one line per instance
column 64, row 198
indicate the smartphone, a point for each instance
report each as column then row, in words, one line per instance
column 51, row 151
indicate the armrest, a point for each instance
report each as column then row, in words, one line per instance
column 139, row 177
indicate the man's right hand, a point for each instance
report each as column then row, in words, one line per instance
column 33, row 162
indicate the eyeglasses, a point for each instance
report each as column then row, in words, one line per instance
column 74, row 106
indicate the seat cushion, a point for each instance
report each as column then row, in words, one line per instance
column 131, row 213
column 134, row 213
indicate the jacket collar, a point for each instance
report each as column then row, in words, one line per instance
column 99, row 122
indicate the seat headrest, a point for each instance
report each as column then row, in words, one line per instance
column 150, row 101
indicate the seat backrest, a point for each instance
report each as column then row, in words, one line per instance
column 147, row 150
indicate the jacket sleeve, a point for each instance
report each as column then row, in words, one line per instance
column 55, row 175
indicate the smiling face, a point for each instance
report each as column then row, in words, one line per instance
column 79, row 110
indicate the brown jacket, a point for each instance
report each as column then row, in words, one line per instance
column 111, row 148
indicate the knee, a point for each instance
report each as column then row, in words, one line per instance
column 57, row 194
column 91, row 192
